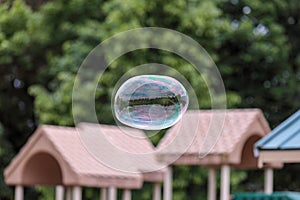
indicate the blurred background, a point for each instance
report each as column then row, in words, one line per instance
column 255, row 44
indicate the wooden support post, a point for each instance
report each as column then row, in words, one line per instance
column 212, row 184
column 269, row 181
column 112, row 193
column 103, row 194
column 59, row 192
column 77, row 193
column 168, row 184
column 225, row 182
column 69, row 193
column 126, row 194
column 156, row 191
column 19, row 192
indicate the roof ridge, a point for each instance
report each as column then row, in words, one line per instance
column 56, row 126
column 263, row 122
column 228, row 109
column 56, row 147
column 106, row 125
column 258, row 117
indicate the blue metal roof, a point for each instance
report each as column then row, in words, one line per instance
column 286, row 136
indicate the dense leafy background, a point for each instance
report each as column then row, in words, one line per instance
column 255, row 45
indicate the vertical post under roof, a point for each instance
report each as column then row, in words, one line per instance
column 59, row 192
column 168, row 184
column 269, row 181
column 212, row 184
column 103, row 193
column 19, row 192
column 69, row 193
column 156, row 191
column 126, row 194
column 77, row 193
column 112, row 193
column 225, row 182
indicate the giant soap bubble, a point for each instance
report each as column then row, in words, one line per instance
column 150, row 102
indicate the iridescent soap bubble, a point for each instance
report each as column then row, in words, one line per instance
column 150, row 102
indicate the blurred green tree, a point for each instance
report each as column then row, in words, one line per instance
column 30, row 35
column 121, row 16
column 260, row 59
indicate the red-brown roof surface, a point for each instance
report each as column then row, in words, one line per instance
column 238, row 127
column 126, row 148
column 78, row 166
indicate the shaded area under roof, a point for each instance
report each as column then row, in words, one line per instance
column 286, row 136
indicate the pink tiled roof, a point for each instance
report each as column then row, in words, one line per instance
column 78, row 166
column 124, row 144
column 68, row 143
column 196, row 125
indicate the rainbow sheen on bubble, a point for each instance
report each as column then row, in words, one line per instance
column 150, row 102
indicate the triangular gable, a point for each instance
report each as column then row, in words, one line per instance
column 77, row 165
column 282, row 145
column 285, row 136
column 239, row 125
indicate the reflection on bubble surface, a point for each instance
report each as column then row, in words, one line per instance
column 150, row 102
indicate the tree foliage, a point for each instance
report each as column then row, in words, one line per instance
column 254, row 44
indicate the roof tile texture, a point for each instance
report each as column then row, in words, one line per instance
column 216, row 132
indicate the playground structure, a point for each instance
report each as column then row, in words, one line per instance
column 56, row 155
column 282, row 144
column 233, row 149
